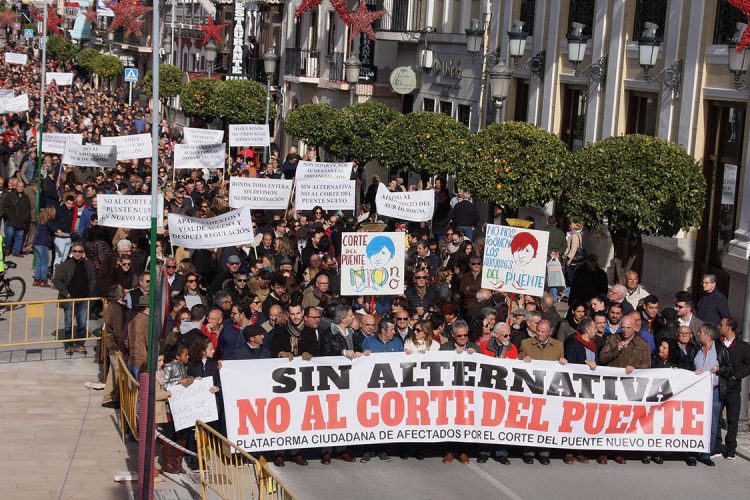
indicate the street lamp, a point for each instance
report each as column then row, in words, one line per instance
column 648, row 53
column 352, row 68
column 166, row 48
column 596, row 71
column 739, row 61
column 500, row 76
column 517, row 47
column 474, row 37
column 269, row 65
column 211, row 50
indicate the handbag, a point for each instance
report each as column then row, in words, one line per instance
column 555, row 275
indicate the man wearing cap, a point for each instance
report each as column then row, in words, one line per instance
column 137, row 341
column 253, row 347
column 232, row 268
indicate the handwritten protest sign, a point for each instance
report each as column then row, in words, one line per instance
column 55, row 143
column 372, row 263
column 14, row 58
column 226, row 230
column 330, row 194
column 128, row 211
column 130, row 147
column 323, row 170
column 89, row 155
column 199, row 155
column 191, row 403
column 270, row 194
column 515, row 260
column 254, row 136
column 202, row 136
column 417, row 206
column 61, row 79
column 274, row 404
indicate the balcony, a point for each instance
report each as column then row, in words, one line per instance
column 401, row 15
column 302, row 63
column 336, row 67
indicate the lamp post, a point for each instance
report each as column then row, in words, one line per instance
column 500, row 76
column 352, row 68
column 596, row 71
column 42, row 88
column 211, row 51
column 738, row 61
column 648, row 53
column 269, row 66
column 517, row 48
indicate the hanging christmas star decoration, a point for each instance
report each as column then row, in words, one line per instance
column 53, row 20
column 127, row 13
column 360, row 21
column 744, row 6
column 91, row 14
column 340, row 7
column 305, row 6
column 212, row 30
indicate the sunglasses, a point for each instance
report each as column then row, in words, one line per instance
column 192, row 281
column 171, row 267
column 402, row 319
column 461, row 336
column 420, row 277
column 241, row 281
column 418, row 330
column 76, row 251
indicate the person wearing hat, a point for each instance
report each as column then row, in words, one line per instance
column 253, row 347
column 137, row 340
column 232, row 267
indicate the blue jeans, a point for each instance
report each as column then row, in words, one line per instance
column 81, row 313
column 715, row 414
column 62, row 249
column 467, row 230
column 13, row 239
column 41, row 270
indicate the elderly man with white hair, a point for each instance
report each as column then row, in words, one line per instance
column 617, row 294
column 634, row 292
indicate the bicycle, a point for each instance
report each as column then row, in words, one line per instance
column 11, row 289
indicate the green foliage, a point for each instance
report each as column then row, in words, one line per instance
column 86, row 58
column 640, row 184
column 363, row 125
column 515, row 164
column 317, row 124
column 428, row 143
column 242, row 101
column 107, row 66
column 170, row 81
column 60, row 49
column 198, row 98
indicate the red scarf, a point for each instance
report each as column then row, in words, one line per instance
column 588, row 344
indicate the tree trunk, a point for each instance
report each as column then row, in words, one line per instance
column 628, row 246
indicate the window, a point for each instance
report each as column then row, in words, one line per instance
column 331, row 42
column 574, row 117
column 527, row 15
column 582, row 11
column 464, row 114
column 446, row 107
column 652, row 11
column 428, row 105
column 313, row 30
column 727, row 16
column 521, row 111
column 642, row 112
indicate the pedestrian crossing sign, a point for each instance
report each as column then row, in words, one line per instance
column 131, row 74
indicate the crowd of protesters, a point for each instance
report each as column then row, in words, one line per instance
column 282, row 297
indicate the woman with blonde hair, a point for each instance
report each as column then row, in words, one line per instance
column 420, row 339
column 45, row 230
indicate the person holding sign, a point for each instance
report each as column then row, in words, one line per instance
column 175, row 372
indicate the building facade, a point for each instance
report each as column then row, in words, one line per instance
column 698, row 107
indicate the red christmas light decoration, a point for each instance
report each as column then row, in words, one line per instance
column 744, row 6
column 360, row 21
column 7, row 17
column 305, row 6
column 91, row 14
column 53, row 20
column 340, row 7
column 212, row 30
column 127, row 13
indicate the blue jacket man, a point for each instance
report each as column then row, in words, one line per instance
column 385, row 340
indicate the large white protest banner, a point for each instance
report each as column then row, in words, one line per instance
column 253, row 136
column 330, row 194
column 372, row 263
column 323, row 170
column 6, row 93
column 89, row 155
column 515, row 260
column 417, row 206
column 268, row 194
column 202, row 136
column 226, row 230
column 55, row 143
column 191, row 403
column 274, row 404
column 61, row 79
column 17, row 104
column 15, row 58
column 130, row 147
column 199, row 155
column 128, row 211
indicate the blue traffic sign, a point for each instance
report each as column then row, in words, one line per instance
column 28, row 34
column 131, row 74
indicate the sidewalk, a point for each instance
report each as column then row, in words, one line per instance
column 743, row 445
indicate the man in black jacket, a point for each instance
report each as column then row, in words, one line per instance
column 17, row 214
column 731, row 400
column 253, row 347
column 712, row 356
column 75, row 279
column 713, row 305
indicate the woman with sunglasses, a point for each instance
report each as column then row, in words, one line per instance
column 193, row 295
column 420, row 339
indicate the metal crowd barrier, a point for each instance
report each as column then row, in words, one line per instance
column 128, row 398
column 231, row 472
